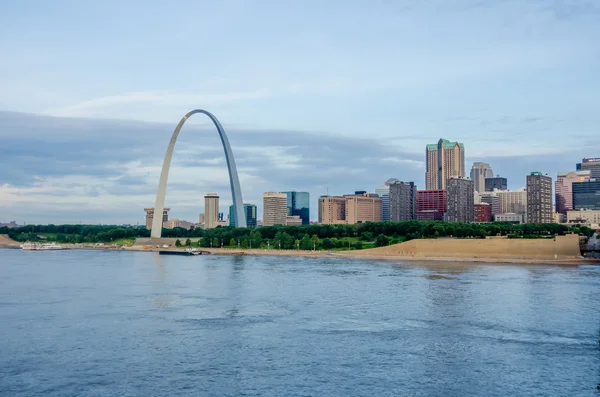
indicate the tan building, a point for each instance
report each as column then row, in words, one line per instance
column 590, row 217
column 332, row 210
column 211, row 210
column 512, row 202
column 293, row 220
column 150, row 217
column 274, row 209
column 173, row 223
column 363, row 208
column 444, row 159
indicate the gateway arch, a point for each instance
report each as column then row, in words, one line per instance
column 236, row 192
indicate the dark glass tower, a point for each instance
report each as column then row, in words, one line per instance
column 298, row 203
column 586, row 195
column 250, row 210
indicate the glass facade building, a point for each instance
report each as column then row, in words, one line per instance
column 586, row 195
column 298, row 203
column 592, row 164
column 249, row 210
column 496, row 182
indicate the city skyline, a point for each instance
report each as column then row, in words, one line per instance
column 80, row 111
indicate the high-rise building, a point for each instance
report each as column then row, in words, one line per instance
column 483, row 212
column 298, row 203
column 479, row 172
column 332, row 210
column 586, row 195
column 362, row 207
column 211, row 210
column 150, row 217
column 592, row 164
column 460, row 205
column 403, row 201
column 384, row 193
column 513, row 202
column 249, row 210
column 539, row 198
column 496, row 183
column 492, row 199
column 443, row 160
column 431, row 205
column 274, row 208
column 563, row 188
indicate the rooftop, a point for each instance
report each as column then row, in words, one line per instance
column 447, row 145
column 581, row 173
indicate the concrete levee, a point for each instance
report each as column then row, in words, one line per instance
column 560, row 247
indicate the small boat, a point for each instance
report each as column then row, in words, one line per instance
column 28, row 246
column 187, row 252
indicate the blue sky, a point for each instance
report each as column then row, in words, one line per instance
column 319, row 96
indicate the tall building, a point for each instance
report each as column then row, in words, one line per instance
column 592, row 164
column 483, row 213
column 460, row 205
column 274, row 208
column 332, row 210
column 496, row 183
column 211, row 210
column 298, row 203
column 431, row 205
column 586, row 195
column 513, row 202
column 403, row 201
column 492, row 199
column 563, row 188
column 362, row 207
column 150, row 217
column 384, row 193
column 444, row 159
column 249, row 210
column 479, row 172
column 539, row 198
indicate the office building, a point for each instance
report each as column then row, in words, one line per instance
column 539, row 198
column 298, row 203
column 384, row 193
column 431, row 205
column 174, row 222
column 362, row 207
column 211, row 210
column 249, row 210
column 510, row 217
column 403, row 201
column 443, row 160
column 496, row 183
column 586, row 195
column 483, row 213
column 332, row 210
column 459, row 200
column 591, row 164
column 479, row 172
column 512, row 202
column 150, row 217
column 589, row 217
column 563, row 188
column 274, row 208
column 293, row 220
column 492, row 199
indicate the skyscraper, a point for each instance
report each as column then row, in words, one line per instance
column 444, row 159
column 332, row 210
column 298, row 203
column 403, row 201
column 496, row 182
column 539, row 198
column 460, row 200
column 563, row 188
column 592, row 164
column 513, row 202
column 211, row 210
column 274, row 208
column 479, row 172
column 586, row 195
column 249, row 210
column 384, row 193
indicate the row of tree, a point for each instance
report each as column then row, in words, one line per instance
column 300, row 237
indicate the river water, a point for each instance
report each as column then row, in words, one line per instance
column 93, row 323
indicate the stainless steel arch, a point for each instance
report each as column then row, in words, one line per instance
column 236, row 191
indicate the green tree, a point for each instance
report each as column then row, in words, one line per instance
column 215, row 242
column 382, row 240
column 188, row 243
column 256, row 239
column 327, row 243
column 315, row 242
column 305, row 243
column 233, row 242
column 177, row 243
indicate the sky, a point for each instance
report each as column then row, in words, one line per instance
column 325, row 97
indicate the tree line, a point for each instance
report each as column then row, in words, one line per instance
column 299, row 237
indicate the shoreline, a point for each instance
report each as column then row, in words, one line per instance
column 359, row 254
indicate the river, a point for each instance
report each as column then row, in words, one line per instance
column 109, row 323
